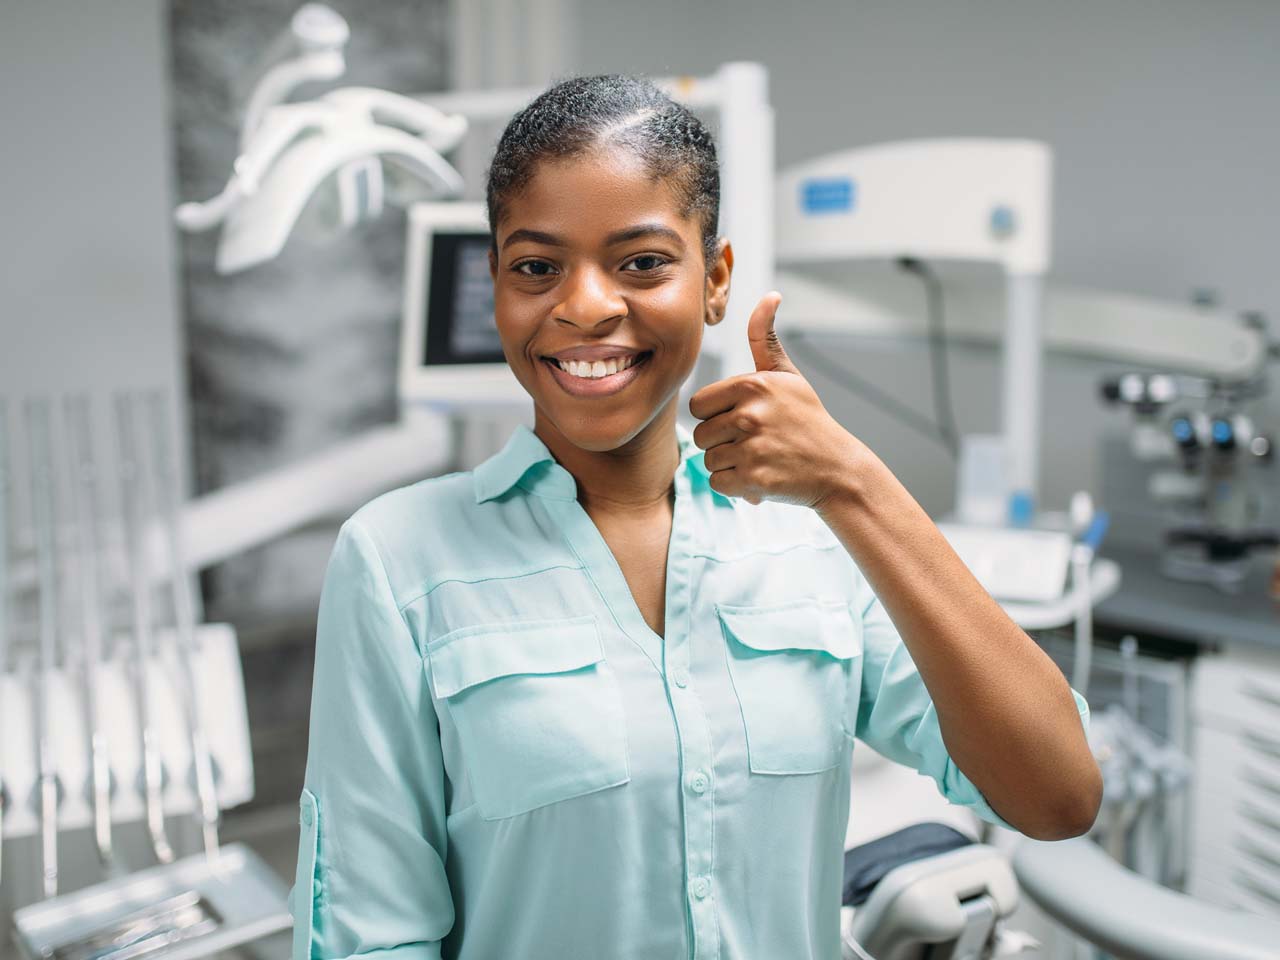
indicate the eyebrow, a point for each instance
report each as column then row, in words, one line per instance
column 643, row 230
column 532, row 236
column 618, row 236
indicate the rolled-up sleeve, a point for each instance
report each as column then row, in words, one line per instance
column 897, row 718
column 371, row 875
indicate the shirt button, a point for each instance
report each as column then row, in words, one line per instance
column 701, row 887
column 316, row 887
column 680, row 678
column 698, row 782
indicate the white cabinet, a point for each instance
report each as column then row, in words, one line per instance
column 1235, row 838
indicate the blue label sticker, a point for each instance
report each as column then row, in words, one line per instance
column 828, row 195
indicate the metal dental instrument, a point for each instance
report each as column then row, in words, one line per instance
column 165, row 487
column 86, row 513
column 183, row 917
column 153, row 771
column 38, row 444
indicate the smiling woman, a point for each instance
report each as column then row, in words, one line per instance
column 598, row 697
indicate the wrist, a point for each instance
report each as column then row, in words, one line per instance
column 857, row 474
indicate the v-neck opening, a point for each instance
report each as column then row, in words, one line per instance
column 615, row 570
column 586, row 540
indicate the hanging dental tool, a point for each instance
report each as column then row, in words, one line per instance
column 38, row 446
column 164, row 487
column 4, row 600
column 209, row 902
column 87, row 513
column 143, row 647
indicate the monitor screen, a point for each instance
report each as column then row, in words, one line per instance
column 460, row 327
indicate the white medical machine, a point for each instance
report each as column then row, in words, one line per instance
column 988, row 201
column 450, row 352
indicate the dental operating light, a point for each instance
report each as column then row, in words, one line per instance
column 356, row 147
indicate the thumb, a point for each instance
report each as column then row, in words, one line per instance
column 766, row 348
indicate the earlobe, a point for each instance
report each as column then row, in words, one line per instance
column 717, row 298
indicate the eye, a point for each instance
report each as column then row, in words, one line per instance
column 534, row 268
column 645, row 263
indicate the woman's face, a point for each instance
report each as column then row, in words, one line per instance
column 598, row 271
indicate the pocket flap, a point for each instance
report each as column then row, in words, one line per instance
column 486, row 651
column 805, row 624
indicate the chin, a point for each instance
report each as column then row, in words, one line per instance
column 600, row 434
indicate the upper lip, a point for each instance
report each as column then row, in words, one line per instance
column 602, row 351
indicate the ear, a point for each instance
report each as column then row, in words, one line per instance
column 717, row 292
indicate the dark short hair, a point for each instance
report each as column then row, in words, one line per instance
column 585, row 113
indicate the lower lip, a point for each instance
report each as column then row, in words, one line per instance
column 596, row 386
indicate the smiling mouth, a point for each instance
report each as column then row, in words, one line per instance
column 599, row 369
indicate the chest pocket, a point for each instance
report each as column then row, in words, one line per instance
column 796, row 668
column 537, row 708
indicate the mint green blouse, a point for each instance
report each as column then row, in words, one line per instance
column 506, row 761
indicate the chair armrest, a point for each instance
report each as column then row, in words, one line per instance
column 1077, row 884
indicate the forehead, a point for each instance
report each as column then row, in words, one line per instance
column 582, row 198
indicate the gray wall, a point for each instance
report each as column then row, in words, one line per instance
column 1162, row 116
column 88, row 297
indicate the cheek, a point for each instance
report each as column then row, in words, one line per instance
column 680, row 307
column 516, row 319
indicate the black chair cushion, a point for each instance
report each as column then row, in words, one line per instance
column 866, row 865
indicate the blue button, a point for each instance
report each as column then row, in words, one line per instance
column 701, row 887
column 306, row 815
column 316, row 887
column 680, row 678
column 698, row 782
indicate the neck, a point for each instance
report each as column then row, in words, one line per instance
column 632, row 477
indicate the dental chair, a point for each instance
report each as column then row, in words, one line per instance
column 927, row 892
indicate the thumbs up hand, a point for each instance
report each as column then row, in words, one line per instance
column 766, row 434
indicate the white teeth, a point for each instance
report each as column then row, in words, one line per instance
column 600, row 368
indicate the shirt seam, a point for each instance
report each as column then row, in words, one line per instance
column 482, row 578
column 364, row 532
column 767, row 552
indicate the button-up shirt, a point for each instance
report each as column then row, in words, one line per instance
column 505, row 760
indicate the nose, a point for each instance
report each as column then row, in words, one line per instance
column 590, row 298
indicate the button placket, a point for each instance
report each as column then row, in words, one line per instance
column 698, row 806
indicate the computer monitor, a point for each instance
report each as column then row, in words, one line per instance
column 450, row 354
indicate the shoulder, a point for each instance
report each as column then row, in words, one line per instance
column 415, row 506
column 415, row 527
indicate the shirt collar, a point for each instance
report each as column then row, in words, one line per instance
column 525, row 454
